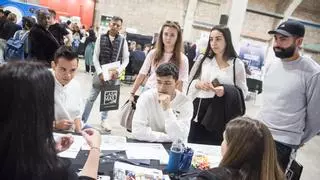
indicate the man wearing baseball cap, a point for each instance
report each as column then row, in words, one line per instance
column 291, row 94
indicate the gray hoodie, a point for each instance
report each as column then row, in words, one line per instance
column 291, row 100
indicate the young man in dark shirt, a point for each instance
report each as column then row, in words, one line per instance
column 56, row 29
column 42, row 43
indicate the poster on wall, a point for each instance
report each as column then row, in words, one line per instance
column 20, row 9
column 254, row 56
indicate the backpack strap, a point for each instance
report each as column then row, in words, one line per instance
column 25, row 35
column 120, row 48
column 234, row 71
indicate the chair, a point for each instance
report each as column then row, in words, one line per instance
column 254, row 86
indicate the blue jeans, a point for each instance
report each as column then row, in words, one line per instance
column 94, row 92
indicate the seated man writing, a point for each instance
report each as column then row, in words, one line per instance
column 163, row 114
column 67, row 96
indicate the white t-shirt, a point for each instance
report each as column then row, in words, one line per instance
column 148, row 63
column 67, row 100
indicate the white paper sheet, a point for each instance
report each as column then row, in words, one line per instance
column 107, row 67
column 213, row 152
column 74, row 149
column 123, row 171
column 109, row 142
column 147, row 151
column 103, row 178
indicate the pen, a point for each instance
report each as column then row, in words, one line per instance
column 99, row 172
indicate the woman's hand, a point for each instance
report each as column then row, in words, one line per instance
column 92, row 137
column 219, row 91
column 64, row 142
column 205, row 86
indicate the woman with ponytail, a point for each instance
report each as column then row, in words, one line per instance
column 249, row 153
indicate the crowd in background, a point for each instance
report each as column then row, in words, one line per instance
column 186, row 94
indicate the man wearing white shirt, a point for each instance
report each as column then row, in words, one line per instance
column 109, row 48
column 67, row 94
column 163, row 114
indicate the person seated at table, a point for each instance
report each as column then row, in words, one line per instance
column 28, row 149
column 163, row 114
column 67, row 96
column 248, row 151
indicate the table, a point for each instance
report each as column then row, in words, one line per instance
column 106, row 165
column 106, row 168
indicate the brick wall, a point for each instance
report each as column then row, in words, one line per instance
column 206, row 12
column 146, row 16
column 263, row 5
column 257, row 26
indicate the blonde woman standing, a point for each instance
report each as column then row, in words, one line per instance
column 168, row 49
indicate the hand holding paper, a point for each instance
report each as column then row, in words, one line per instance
column 110, row 70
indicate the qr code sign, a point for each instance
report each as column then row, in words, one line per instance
column 110, row 97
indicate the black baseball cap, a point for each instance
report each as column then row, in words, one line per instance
column 289, row 28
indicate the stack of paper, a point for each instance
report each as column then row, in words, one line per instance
column 123, row 171
column 74, row 149
column 109, row 142
column 147, row 151
column 106, row 68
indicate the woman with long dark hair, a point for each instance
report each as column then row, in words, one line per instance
column 89, row 49
column 249, row 153
column 168, row 49
column 217, row 69
column 28, row 149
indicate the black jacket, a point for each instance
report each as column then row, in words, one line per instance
column 223, row 109
column 42, row 44
column 58, row 31
column 8, row 30
column 136, row 60
column 220, row 173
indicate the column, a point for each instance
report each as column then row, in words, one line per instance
column 236, row 19
column 188, row 20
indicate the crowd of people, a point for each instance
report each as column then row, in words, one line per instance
column 52, row 33
column 204, row 106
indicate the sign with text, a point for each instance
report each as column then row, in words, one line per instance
column 110, row 95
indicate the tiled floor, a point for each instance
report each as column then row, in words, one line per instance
column 308, row 155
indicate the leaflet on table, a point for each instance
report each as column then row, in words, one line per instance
column 109, row 142
column 126, row 171
column 147, row 151
column 106, row 68
column 103, row 178
column 74, row 149
column 213, row 153
column 99, row 177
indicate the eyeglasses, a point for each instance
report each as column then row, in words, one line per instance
column 173, row 22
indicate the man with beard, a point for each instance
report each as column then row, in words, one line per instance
column 291, row 96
